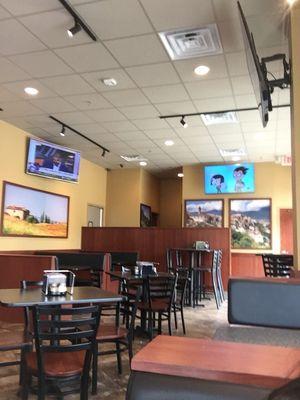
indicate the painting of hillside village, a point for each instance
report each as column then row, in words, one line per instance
column 203, row 213
column 250, row 221
column 31, row 212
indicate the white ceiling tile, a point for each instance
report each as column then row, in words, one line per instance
column 106, row 115
column 183, row 107
column 41, row 64
column 216, row 64
column 19, row 108
column 7, row 96
column 68, row 85
column 166, row 94
column 103, row 138
column 87, row 57
column 41, row 121
column 284, row 96
column 53, row 104
column 160, row 133
column 237, row 63
column 19, row 122
column 198, row 140
column 267, row 29
column 193, row 121
column 90, row 129
column 215, row 104
column 248, row 116
column 17, row 7
column 153, row 75
column 10, row 72
column 15, row 38
column 144, row 144
column 71, row 118
column 242, row 85
column 89, row 101
column 4, row 13
column 120, row 147
column 245, row 101
column 139, row 112
column 284, row 113
column 209, row 89
column 138, row 50
column 41, row 133
column 122, row 78
column 238, row 138
column 231, row 35
column 51, row 28
column 19, row 86
column 119, row 126
column 192, row 132
column 256, row 125
column 169, row 14
column 131, row 136
column 115, row 18
column 128, row 97
column 224, row 129
column 150, row 123
column 284, row 126
column 225, row 9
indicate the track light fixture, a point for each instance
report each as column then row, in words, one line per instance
column 183, row 122
column 63, row 131
column 76, row 28
column 103, row 152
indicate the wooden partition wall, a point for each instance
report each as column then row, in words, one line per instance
column 247, row 265
column 13, row 269
column 151, row 243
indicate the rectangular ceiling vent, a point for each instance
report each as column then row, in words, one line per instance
column 190, row 43
column 132, row 158
column 219, row 118
column 232, row 152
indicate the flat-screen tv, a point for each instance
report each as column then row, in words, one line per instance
column 49, row 160
column 229, row 178
column 258, row 79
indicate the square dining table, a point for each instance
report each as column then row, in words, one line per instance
column 35, row 297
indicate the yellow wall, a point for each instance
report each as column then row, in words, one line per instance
column 149, row 190
column 271, row 180
column 123, row 197
column 90, row 189
column 170, row 203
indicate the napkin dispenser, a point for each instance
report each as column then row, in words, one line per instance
column 201, row 245
column 146, row 268
column 58, row 282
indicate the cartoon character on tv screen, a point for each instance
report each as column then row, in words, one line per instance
column 218, row 181
column 238, row 174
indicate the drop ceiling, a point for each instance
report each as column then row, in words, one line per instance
column 36, row 51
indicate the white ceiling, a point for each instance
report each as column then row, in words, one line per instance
column 36, row 51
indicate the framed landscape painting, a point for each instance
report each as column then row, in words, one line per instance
column 145, row 216
column 251, row 224
column 31, row 212
column 204, row 213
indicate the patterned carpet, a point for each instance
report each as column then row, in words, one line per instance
column 201, row 322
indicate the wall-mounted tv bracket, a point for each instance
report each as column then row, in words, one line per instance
column 281, row 83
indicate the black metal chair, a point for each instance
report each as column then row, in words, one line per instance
column 27, row 285
column 63, row 350
column 277, row 265
column 160, row 296
column 179, row 297
column 121, row 335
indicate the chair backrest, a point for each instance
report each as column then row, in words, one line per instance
column 181, row 285
column 277, row 265
column 219, row 262
column 161, row 288
column 128, row 307
column 53, row 333
column 24, row 285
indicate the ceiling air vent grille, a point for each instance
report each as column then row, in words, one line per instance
column 192, row 43
column 219, row 118
column 133, row 158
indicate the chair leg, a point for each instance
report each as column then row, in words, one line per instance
column 215, row 289
column 130, row 352
column 22, row 365
column 169, row 322
column 175, row 316
column 41, row 390
column 150, row 325
column 119, row 359
column 25, row 384
column 95, row 370
column 182, row 319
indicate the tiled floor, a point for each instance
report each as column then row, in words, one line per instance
column 201, row 322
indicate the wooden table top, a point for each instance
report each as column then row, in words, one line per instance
column 33, row 297
column 131, row 277
column 240, row 363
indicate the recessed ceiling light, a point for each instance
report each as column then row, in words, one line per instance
column 201, row 70
column 143, row 163
column 169, row 142
column 236, row 158
column 31, row 91
column 180, row 175
column 109, row 81
column 291, row 2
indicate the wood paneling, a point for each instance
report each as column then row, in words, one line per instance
column 151, row 243
column 13, row 269
column 240, row 363
column 286, row 230
column 247, row 265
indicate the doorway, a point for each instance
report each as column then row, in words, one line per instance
column 286, row 230
column 94, row 216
